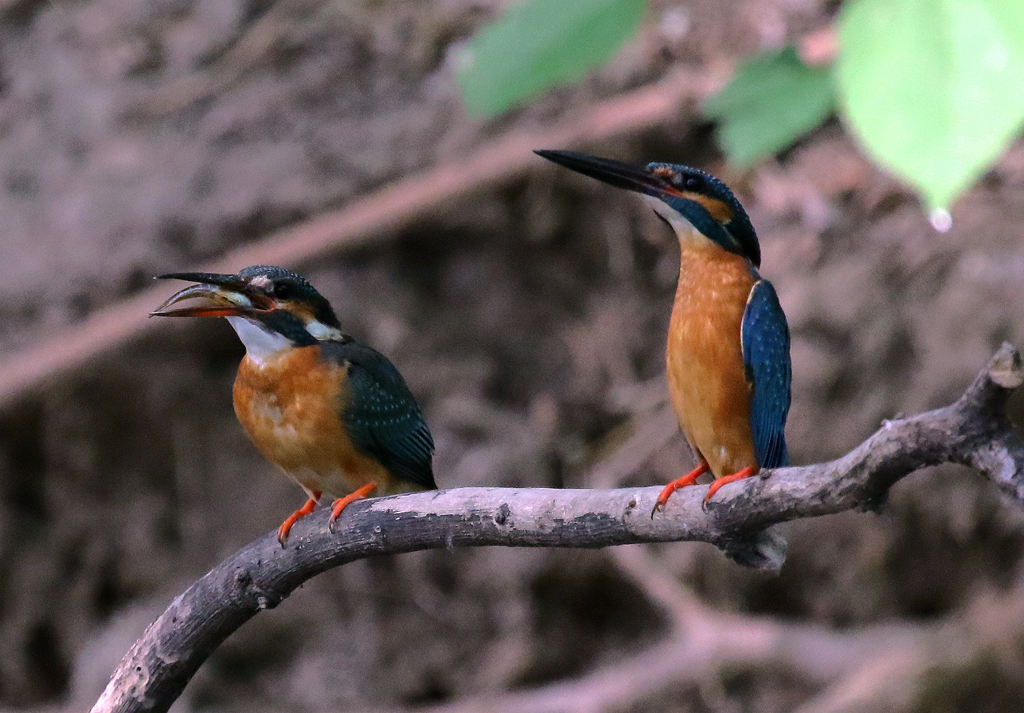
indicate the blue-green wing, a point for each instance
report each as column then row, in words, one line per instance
column 765, row 339
column 384, row 418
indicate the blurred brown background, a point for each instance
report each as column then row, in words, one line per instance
column 529, row 318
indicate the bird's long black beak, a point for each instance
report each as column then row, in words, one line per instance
column 232, row 282
column 221, row 295
column 612, row 172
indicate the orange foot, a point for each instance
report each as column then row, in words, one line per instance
column 286, row 526
column 725, row 480
column 341, row 503
column 688, row 479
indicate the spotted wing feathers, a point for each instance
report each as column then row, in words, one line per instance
column 384, row 419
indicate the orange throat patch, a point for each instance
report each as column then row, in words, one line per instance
column 292, row 407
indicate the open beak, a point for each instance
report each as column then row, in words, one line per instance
column 221, row 295
column 615, row 173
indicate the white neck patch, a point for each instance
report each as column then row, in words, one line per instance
column 321, row 331
column 260, row 344
column 683, row 228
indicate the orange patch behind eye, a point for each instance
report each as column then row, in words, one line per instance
column 719, row 210
column 300, row 309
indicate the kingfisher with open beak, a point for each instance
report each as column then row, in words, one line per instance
column 728, row 362
column 332, row 413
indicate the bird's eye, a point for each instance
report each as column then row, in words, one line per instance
column 283, row 291
column 693, row 183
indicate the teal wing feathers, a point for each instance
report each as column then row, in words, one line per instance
column 384, row 418
column 765, row 340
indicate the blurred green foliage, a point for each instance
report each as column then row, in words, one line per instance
column 772, row 100
column 930, row 88
column 933, row 88
column 539, row 44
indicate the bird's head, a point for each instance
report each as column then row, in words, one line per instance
column 686, row 198
column 270, row 308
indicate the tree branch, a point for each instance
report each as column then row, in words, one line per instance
column 973, row 431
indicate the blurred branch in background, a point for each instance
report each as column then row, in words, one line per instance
column 771, row 101
column 878, row 668
column 369, row 219
column 973, row 431
column 709, row 642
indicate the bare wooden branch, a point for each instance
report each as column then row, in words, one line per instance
column 973, row 431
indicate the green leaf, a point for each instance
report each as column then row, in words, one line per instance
column 933, row 88
column 539, row 44
column 772, row 100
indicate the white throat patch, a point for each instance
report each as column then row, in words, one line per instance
column 260, row 344
column 682, row 227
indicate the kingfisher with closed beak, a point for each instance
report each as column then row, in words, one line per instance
column 728, row 364
column 332, row 413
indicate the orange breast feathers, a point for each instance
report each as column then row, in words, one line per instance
column 706, row 378
column 291, row 406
